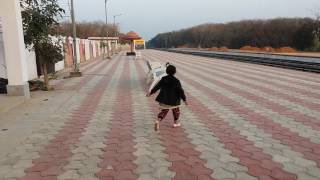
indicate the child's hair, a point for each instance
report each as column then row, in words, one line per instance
column 171, row 70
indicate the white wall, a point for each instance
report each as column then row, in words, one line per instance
column 59, row 66
column 87, row 49
column 78, row 50
column 30, row 59
column 94, row 49
column 32, row 65
column 3, row 71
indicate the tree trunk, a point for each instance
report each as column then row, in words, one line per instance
column 38, row 62
column 45, row 76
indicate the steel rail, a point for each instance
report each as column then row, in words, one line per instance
column 309, row 64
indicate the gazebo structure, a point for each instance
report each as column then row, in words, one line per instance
column 131, row 36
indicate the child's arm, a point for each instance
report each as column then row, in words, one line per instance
column 155, row 88
column 182, row 95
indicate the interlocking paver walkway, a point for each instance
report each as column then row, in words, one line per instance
column 243, row 122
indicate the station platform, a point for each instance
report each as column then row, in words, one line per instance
column 244, row 122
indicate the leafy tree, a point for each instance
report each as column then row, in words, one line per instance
column 85, row 29
column 38, row 17
column 304, row 37
column 279, row 32
column 316, row 44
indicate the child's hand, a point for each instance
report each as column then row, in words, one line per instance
column 148, row 95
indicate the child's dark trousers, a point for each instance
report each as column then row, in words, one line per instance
column 164, row 112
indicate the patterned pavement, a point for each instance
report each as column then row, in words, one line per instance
column 243, row 122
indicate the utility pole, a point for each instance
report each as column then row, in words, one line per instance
column 76, row 72
column 106, row 11
column 116, row 31
column 114, row 24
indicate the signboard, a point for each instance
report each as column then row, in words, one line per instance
column 139, row 42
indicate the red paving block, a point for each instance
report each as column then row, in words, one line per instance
column 185, row 176
column 200, row 170
column 268, row 164
column 260, row 156
column 176, row 157
column 126, row 156
column 191, row 152
column 45, row 159
column 239, row 153
column 52, row 171
column 248, row 161
column 126, row 165
column 37, row 168
column 193, row 160
column 280, row 174
column 258, row 171
column 106, row 173
column 180, row 166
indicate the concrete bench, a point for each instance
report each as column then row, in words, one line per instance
column 156, row 72
column 138, row 55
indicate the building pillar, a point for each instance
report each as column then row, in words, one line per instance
column 14, row 48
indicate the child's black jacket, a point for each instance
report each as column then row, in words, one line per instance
column 171, row 91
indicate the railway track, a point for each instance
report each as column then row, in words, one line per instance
column 310, row 64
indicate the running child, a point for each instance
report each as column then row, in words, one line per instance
column 169, row 98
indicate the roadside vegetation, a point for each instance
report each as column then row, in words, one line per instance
column 85, row 29
column 292, row 34
column 38, row 17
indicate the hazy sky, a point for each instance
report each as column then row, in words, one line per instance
column 150, row 17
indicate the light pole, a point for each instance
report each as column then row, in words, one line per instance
column 115, row 30
column 76, row 72
column 106, row 11
column 114, row 23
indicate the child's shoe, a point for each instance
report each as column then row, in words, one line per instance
column 156, row 125
column 175, row 125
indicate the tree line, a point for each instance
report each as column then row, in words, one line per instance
column 299, row 33
column 85, row 29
